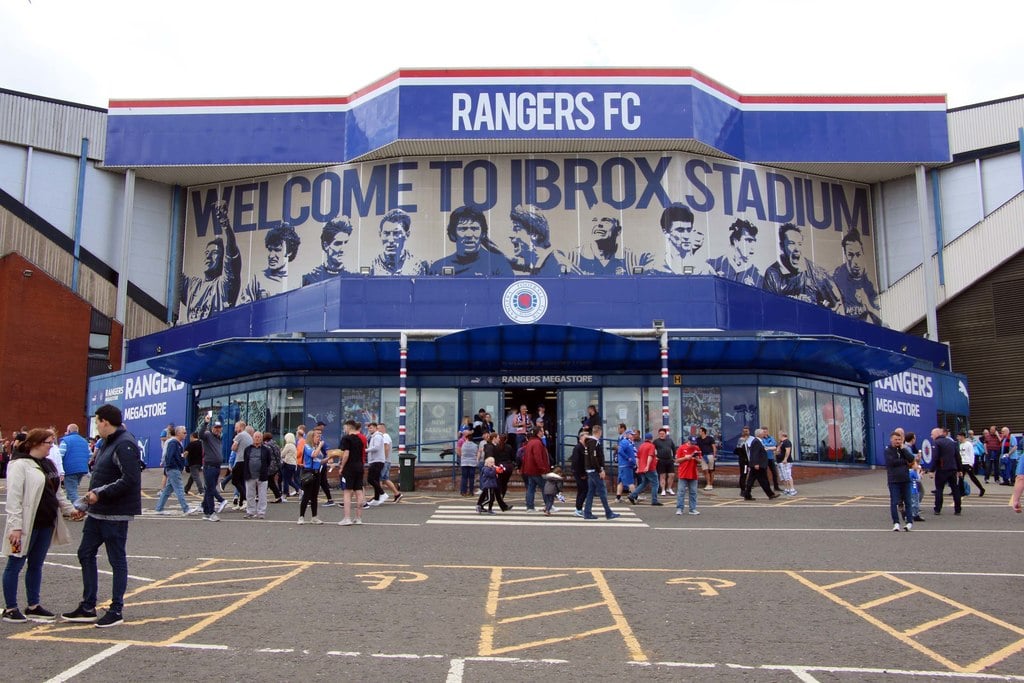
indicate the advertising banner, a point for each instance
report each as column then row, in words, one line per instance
column 667, row 214
column 906, row 400
column 148, row 400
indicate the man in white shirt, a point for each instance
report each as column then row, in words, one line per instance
column 376, row 461
column 385, row 475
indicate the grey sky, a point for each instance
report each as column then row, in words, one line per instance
column 90, row 51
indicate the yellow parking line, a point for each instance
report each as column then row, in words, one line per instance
column 280, row 565
column 848, row 501
column 996, row 657
column 188, row 598
column 928, row 625
column 847, row 582
column 887, row 599
column 527, row 617
column 636, row 653
column 534, row 578
column 880, row 624
column 219, row 581
column 550, row 592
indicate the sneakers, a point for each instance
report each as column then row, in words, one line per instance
column 670, row 492
column 192, row 511
column 345, row 522
column 357, row 521
column 709, row 487
column 80, row 615
column 554, row 509
column 301, row 521
column 657, row 503
column 367, row 505
column 39, row 613
column 316, row 520
column 631, row 499
column 679, row 511
column 14, row 616
column 909, row 527
column 896, row 526
column 693, row 512
column 109, row 619
column 211, row 518
column 329, row 504
column 374, row 503
column 398, row 497
column 661, row 492
column 480, row 510
column 221, row 505
column 614, row 515
column 578, row 513
column 249, row 515
column 385, row 498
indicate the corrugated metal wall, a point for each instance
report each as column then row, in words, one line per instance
column 988, row 125
column 52, row 126
column 965, row 260
column 985, row 331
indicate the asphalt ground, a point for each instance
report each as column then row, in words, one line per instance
column 812, row 588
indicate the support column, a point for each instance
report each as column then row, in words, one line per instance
column 83, row 168
column 927, row 243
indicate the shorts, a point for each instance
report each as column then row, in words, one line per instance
column 385, row 474
column 665, row 467
column 626, row 476
column 708, row 462
column 785, row 471
column 354, row 479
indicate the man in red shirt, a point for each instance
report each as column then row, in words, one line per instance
column 687, row 458
column 647, row 470
column 535, row 466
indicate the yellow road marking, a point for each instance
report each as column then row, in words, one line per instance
column 880, row 624
column 538, row 615
column 279, row 565
column 196, row 628
column 847, row 502
column 189, row 598
column 220, row 581
column 550, row 592
column 635, row 651
column 996, row 657
column 953, row 616
column 534, row 578
column 888, row 598
column 847, row 582
column 552, row 641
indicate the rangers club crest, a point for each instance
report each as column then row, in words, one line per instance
column 524, row 302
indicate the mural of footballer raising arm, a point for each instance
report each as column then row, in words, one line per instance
column 599, row 254
column 217, row 289
column 282, row 245
column 859, row 296
column 738, row 263
column 475, row 253
column 333, row 240
column 796, row 277
column 394, row 258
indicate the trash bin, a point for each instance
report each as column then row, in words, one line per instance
column 407, row 473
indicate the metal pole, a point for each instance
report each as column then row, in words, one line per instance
column 927, row 243
column 403, row 354
column 665, row 414
column 83, row 161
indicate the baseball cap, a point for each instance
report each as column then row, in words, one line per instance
column 630, row 432
column 217, row 424
column 648, row 435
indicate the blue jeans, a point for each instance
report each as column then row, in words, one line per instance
column 1010, row 469
column 173, row 484
column 595, row 485
column 289, row 479
column 38, row 546
column 533, row 481
column 113, row 535
column 211, row 473
column 898, row 492
column 647, row 479
column 71, row 485
column 689, row 488
column 992, row 465
column 468, row 474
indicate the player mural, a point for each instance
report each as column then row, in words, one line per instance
column 671, row 215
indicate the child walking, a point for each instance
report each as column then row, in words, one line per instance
column 489, row 491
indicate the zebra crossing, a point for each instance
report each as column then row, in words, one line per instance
column 518, row 516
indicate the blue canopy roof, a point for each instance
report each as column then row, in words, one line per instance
column 517, row 348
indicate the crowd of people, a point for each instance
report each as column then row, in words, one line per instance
column 44, row 480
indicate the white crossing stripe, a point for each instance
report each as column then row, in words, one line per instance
column 518, row 516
